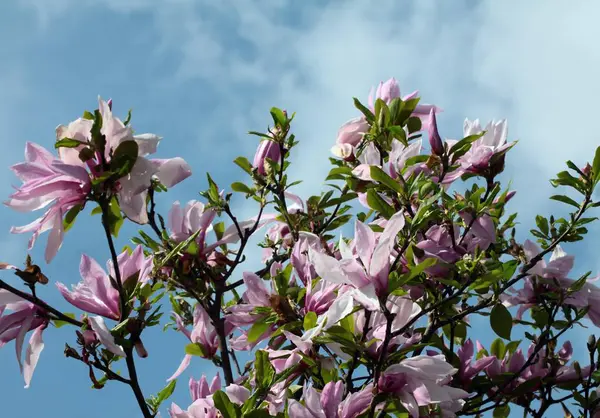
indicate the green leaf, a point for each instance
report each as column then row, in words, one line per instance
column 310, row 320
column 128, row 118
column 339, row 173
column 398, row 133
column 88, row 115
column 58, row 323
column 413, row 124
column 376, row 202
column 124, row 158
column 244, row 164
column 195, row 349
column 178, row 248
column 501, row 321
column 381, row 176
column 213, row 189
column 241, row 188
column 462, row 146
column 565, row 199
column 257, row 329
column 542, row 224
column 364, row 110
column 67, row 143
column 596, row 165
column 263, row 369
column 502, row 411
column 224, row 405
column 278, row 117
column 113, row 217
column 497, row 348
column 69, row 219
column 219, row 229
column 166, row 392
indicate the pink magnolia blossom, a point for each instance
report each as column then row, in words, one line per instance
column 132, row 189
column 199, row 389
column 185, row 222
column 467, row 369
column 349, row 136
column 47, row 181
column 369, row 277
column 482, row 232
column 552, row 276
column 438, row 245
column 96, row 294
column 24, row 317
column 203, row 333
column 202, row 403
column 299, row 257
column 492, row 143
column 420, row 381
column 404, row 310
column 390, row 90
column 330, row 403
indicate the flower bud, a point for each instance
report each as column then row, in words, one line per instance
column 435, row 141
column 266, row 149
column 140, row 349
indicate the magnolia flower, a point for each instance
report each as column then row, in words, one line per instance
column 349, row 136
column 404, row 310
column 201, row 408
column 47, row 181
column 492, row 143
column 390, row 90
column 420, row 381
column 369, row 277
column 185, row 222
column 25, row 317
column 203, row 405
column 299, row 257
column 96, row 294
column 482, row 232
column 467, row 370
column 199, row 389
column 256, row 296
column 203, row 333
column 132, row 188
column 329, row 403
column 438, row 244
column 552, row 276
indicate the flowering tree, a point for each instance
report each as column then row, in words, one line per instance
column 377, row 324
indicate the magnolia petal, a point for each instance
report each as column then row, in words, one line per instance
column 36, row 345
column 104, row 335
column 172, row 171
column 184, row 365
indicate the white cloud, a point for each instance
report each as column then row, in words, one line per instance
column 532, row 62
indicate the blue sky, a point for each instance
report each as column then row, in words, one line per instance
column 202, row 73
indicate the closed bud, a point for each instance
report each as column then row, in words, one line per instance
column 591, row 343
column 266, row 149
column 435, row 141
column 140, row 349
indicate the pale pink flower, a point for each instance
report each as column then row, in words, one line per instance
column 47, row 181
column 24, row 317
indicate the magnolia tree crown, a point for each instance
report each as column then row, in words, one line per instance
column 379, row 323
